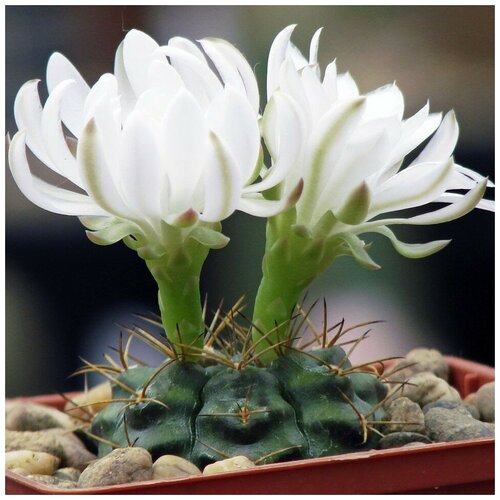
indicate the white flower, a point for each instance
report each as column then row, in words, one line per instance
column 349, row 149
column 163, row 142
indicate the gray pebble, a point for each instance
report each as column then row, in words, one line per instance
column 407, row 417
column 453, row 405
column 33, row 417
column 443, row 424
column 398, row 439
column 68, row 473
column 420, row 360
column 58, row 442
column 52, row 481
column 485, row 402
column 123, row 465
column 424, row 388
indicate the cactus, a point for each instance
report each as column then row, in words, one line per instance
column 304, row 404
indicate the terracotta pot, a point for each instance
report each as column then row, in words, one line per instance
column 458, row 467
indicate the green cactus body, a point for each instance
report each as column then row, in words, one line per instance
column 295, row 408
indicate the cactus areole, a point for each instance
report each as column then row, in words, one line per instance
column 168, row 146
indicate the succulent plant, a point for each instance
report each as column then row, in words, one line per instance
column 165, row 149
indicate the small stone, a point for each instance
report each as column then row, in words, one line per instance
column 452, row 405
column 171, row 466
column 52, row 481
column 471, row 399
column 229, row 464
column 68, row 474
column 428, row 360
column 485, row 402
column 95, row 396
column 58, row 442
column 407, row 417
column 122, row 465
column 33, row 417
column 443, row 424
column 424, row 388
column 26, row 462
column 398, row 439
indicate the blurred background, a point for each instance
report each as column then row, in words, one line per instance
column 65, row 296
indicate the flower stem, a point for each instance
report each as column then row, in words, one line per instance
column 178, row 277
column 291, row 262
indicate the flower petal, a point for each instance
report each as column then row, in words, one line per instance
column 412, row 250
column 185, row 142
column 277, row 54
column 53, row 135
column 261, row 207
column 125, row 90
column 41, row 193
column 313, row 49
column 442, row 144
column 60, row 69
column 412, row 187
column 355, row 208
column 95, row 173
column 232, row 119
column 139, row 51
column 222, row 183
column 284, row 132
column 325, row 146
column 236, row 58
column 141, row 174
column 28, row 116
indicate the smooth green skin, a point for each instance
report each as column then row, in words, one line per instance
column 299, row 411
column 177, row 274
column 291, row 262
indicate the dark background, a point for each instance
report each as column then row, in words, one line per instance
column 65, row 295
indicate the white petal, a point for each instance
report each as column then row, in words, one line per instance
column 139, row 51
column 283, row 132
column 462, row 206
column 127, row 95
column 95, row 172
column 222, row 179
column 441, row 146
column 162, row 75
column 488, row 205
column 384, row 102
column 140, row 167
column 316, row 95
column 197, row 76
column 473, row 175
column 313, row 49
column 412, row 187
column 261, row 207
column 28, row 116
column 41, row 193
column 228, row 72
column 53, row 135
column 185, row 139
column 236, row 58
column 106, row 88
column 346, row 87
column 330, row 81
column 58, row 70
column 325, row 147
column 277, row 55
column 187, row 46
column 414, row 131
column 412, row 250
column 233, row 120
